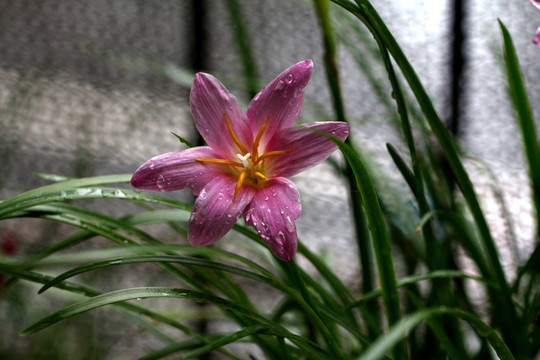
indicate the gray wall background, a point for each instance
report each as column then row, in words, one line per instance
column 86, row 89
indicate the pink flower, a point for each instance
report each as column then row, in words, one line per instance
column 8, row 246
column 536, row 39
column 243, row 169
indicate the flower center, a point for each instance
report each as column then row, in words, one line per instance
column 250, row 170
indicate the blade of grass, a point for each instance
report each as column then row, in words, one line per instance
column 184, row 260
column 154, row 292
column 292, row 271
column 379, row 235
column 244, row 46
column 503, row 299
column 322, row 8
column 87, row 291
column 438, row 274
column 228, row 339
column 386, row 342
column 518, row 93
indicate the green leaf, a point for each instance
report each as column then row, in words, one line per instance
column 172, row 348
column 52, row 177
column 397, row 332
column 113, row 297
column 187, row 261
column 518, row 93
column 245, row 50
column 439, row 274
column 183, row 141
column 379, row 234
column 501, row 300
column 87, row 291
column 33, row 197
column 63, row 191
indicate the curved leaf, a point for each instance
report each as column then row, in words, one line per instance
column 400, row 330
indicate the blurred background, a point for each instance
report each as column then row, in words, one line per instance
column 95, row 87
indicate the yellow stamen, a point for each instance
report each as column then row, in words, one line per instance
column 258, row 138
column 271, row 153
column 241, row 179
column 233, row 136
column 220, row 161
column 260, row 175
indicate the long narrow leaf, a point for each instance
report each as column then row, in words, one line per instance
column 172, row 348
column 439, row 274
column 401, row 329
column 154, row 292
column 518, row 93
column 379, row 234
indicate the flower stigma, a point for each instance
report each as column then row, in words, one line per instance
column 250, row 168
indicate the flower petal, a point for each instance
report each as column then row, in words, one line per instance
column 210, row 101
column 281, row 100
column 309, row 148
column 273, row 211
column 536, row 3
column 536, row 39
column 215, row 212
column 176, row 170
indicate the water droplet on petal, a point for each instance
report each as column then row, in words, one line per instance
column 280, row 239
column 289, row 224
column 203, row 195
column 279, row 85
column 282, row 212
column 160, row 182
column 266, row 198
column 257, row 97
column 289, row 79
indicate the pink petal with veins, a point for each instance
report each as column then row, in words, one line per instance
column 210, row 101
column 214, row 213
column 309, row 147
column 272, row 212
column 281, row 100
column 176, row 170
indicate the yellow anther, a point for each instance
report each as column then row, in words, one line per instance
column 260, row 175
column 241, row 179
column 233, row 136
column 220, row 161
column 258, row 138
column 270, row 153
